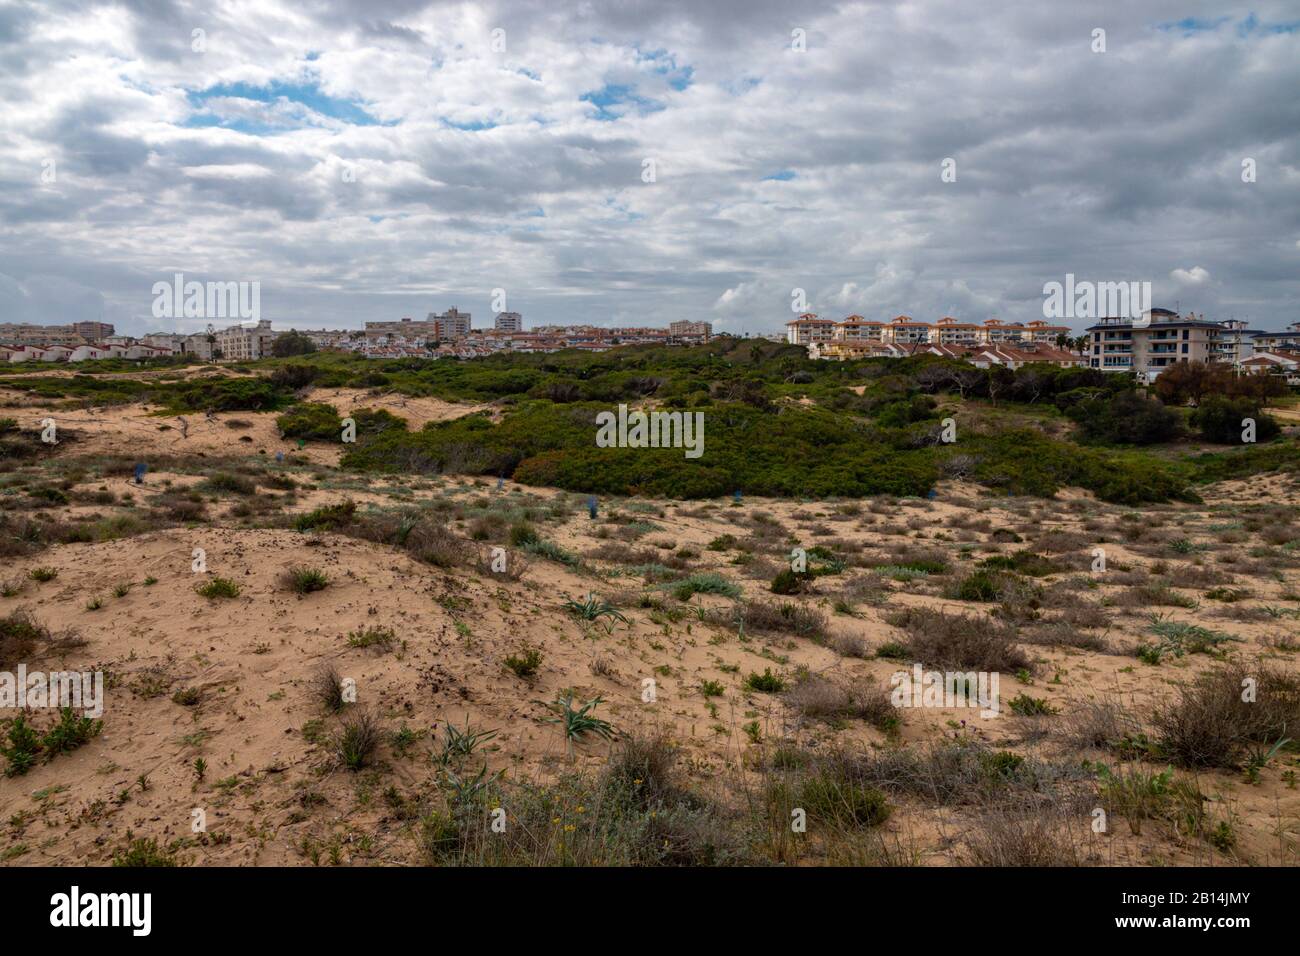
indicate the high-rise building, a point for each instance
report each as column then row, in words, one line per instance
column 454, row 324
column 690, row 330
column 93, row 331
column 509, row 322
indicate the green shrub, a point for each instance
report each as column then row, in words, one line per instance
column 766, row 682
column 218, row 588
column 1221, row 420
column 525, row 663
column 327, row 517
column 304, row 580
column 312, row 421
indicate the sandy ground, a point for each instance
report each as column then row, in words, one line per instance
column 267, row 787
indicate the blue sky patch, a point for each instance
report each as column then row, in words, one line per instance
column 615, row 100
column 307, row 94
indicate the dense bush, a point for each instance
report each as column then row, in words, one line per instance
column 313, row 421
column 1222, row 420
column 1126, row 418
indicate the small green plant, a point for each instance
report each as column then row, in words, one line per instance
column 218, row 588
column 304, row 580
column 766, row 682
column 42, row 575
column 121, row 590
column 380, row 637
column 577, row 722
column 200, row 768
column 459, row 743
column 843, row 802
column 70, row 732
column 1027, row 706
column 23, row 748
column 525, row 663
column 95, row 603
column 707, row 583
column 358, row 741
column 712, row 688
column 593, row 610
column 144, row 853
column 187, row 696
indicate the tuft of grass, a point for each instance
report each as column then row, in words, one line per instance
column 709, row 582
column 593, row 610
column 42, row 574
column 305, row 580
column 357, row 742
column 144, row 853
column 577, row 722
column 525, row 663
column 1027, row 706
column 766, row 682
column 327, row 687
column 218, row 588
column 380, row 637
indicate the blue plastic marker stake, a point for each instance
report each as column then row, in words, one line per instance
column 501, row 483
column 140, row 469
column 591, row 506
column 735, row 496
column 932, row 494
column 279, row 456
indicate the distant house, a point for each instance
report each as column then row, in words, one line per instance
column 1265, row 363
column 1026, row 353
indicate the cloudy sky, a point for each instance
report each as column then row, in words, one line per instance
column 373, row 159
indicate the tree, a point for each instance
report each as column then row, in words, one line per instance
column 1187, row 382
column 1222, row 420
column 1126, row 418
column 292, row 343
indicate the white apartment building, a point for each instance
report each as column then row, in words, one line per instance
column 1147, row 349
column 509, row 322
column 808, row 328
column 244, row 343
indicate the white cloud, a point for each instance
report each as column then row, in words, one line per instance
column 776, row 170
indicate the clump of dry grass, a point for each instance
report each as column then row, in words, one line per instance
column 1027, row 836
column 771, row 617
column 1209, row 724
column 960, row 640
column 818, row 698
column 1099, row 725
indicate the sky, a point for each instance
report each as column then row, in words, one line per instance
column 638, row 162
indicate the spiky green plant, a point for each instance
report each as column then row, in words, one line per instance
column 577, row 722
column 593, row 609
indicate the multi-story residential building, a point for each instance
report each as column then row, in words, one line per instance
column 808, row 328
column 904, row 330
column 29, row 333
column 1148, row 347
column 1234, row 343
column 453, row 323
column 948, row 331
column 93, row 332
column 857, row 329
column 996, row 332
column 1040, row 331
column 509, row 322
column 241, row 343
column 693, row 331
column 1288, row 338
